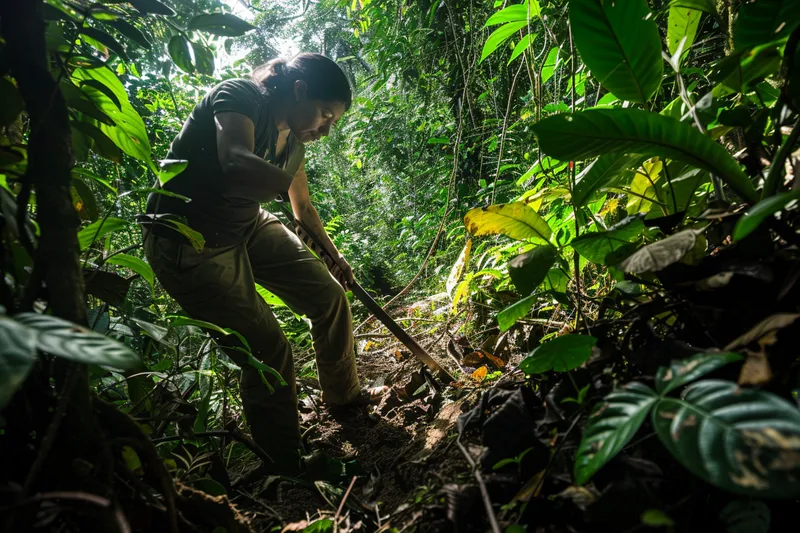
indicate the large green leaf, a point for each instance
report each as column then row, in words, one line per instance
column 169, row 168
column 560, row 354
column 105, row 40
column 223, row 24
column 501, row 35
column 96, row 230
column 516, row 220
column 136, row 265
column 764, row 21
column 682, row 27
column 514, row 13
column 509, row 316
column 528, row 270
column 521, row 46
column 610, row 427
column 77, row 343
column 596, row 132
column 679, row 373
column 742, row 440
column 754, row 216
column 660, row 254
column 706, row 6
column 17, row 355
column 597, row 246
column 102, row 144
column 203, row 59
column 603, row 172
column 178, row 48
column 128, row 131
column 620, row 44
column 131, row 32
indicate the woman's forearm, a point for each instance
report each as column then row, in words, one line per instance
column 309, row 216
column 249, row 176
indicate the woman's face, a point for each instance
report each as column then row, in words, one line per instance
column 311, row 120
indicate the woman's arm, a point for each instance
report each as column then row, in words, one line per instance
column 247, row 175
column 305, row 212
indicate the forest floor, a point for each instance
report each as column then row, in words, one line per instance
column 398, row 454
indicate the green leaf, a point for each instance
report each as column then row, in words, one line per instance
column 745, row 441
column 596, row 132
column 269, row 298
column 597, row 246
column 514, row 13
column 77, row 343
column 96, row 230
column 177, row 320
column 754, row 216
column 528, row 270
column 129, row 132
column 83, row 199
column 656, row 518
column 17, row 355
column 131, row 32
column 12, row 102
column 103, row 89
column 765, row 21
column 136, row 265
column 522, row 45
column 679, row 373
column 196, row 238
column 661, row 254
column 610, row 427
column 746, row 516
column 89, row 109
column 509, row 316
column 620, row 44
column 102, row 144
column 707, row 6
column 550, row 64
column 604, row 171
column 682, row 24
column 169, row 168
column 324, row 525
column 203, row 59
column 152, row 7
column 560, row 354
column 516, row 220
column 178, row 49
column 83, row 173
column 223, row 24
column 105, row 40
column 499, row 36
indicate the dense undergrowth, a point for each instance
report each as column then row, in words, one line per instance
column 586, row 209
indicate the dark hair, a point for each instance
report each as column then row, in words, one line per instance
column 325, row 78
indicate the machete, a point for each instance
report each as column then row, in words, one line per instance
column 373, row 307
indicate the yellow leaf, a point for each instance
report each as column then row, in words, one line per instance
column 643, row 186
column 458, row 267
column 132, row 460
column 516, row 220
column 480, row 374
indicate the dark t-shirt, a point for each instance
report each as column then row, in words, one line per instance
column 222, row 220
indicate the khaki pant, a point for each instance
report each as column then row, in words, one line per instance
column 218, row 285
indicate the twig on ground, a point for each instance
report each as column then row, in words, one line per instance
column 487, row 503
column 341, row 505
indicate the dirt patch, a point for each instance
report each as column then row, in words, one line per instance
column 390, row 448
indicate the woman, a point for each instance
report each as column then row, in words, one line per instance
column 244, row 143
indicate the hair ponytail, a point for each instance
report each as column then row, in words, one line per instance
column 325, row 79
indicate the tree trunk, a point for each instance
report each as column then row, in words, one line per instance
column 49, row 157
